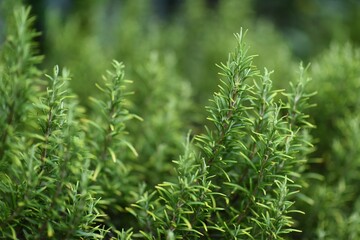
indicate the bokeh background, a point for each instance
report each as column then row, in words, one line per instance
column 283, row 33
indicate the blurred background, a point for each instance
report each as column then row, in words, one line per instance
column 77, row 32
column 308, row 26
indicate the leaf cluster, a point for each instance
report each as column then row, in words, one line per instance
column 70, row 173
column 241, row 182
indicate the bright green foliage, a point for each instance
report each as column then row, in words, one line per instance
column 163, row 101
column 108, row 145
column 118, row 168
column 241, row 182
column 196, row 35
column 172, row 64
column 44, row 175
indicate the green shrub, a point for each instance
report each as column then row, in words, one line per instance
column 196, row 35
column 241, row 183
column 333, row 211
column 69, row 172
column 163, row 99
column 337, row 72
column 44, row 165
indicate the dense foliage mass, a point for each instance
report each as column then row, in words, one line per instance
column 127, row 159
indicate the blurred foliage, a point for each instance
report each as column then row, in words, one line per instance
column 310, row 26
column 196, row 34
column 333, row 211
column 337, row 72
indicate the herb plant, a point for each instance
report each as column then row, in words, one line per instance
column 125, row 165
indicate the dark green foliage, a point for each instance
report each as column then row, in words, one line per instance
column 338, row 190
column 337, row 71
column 333, row 212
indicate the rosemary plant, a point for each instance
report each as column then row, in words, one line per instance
column 44, row 165
column 18, row 73
column 333, row 211
column 112, row 178
column 71, row 174
column 242, row 181
column 163, row 100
